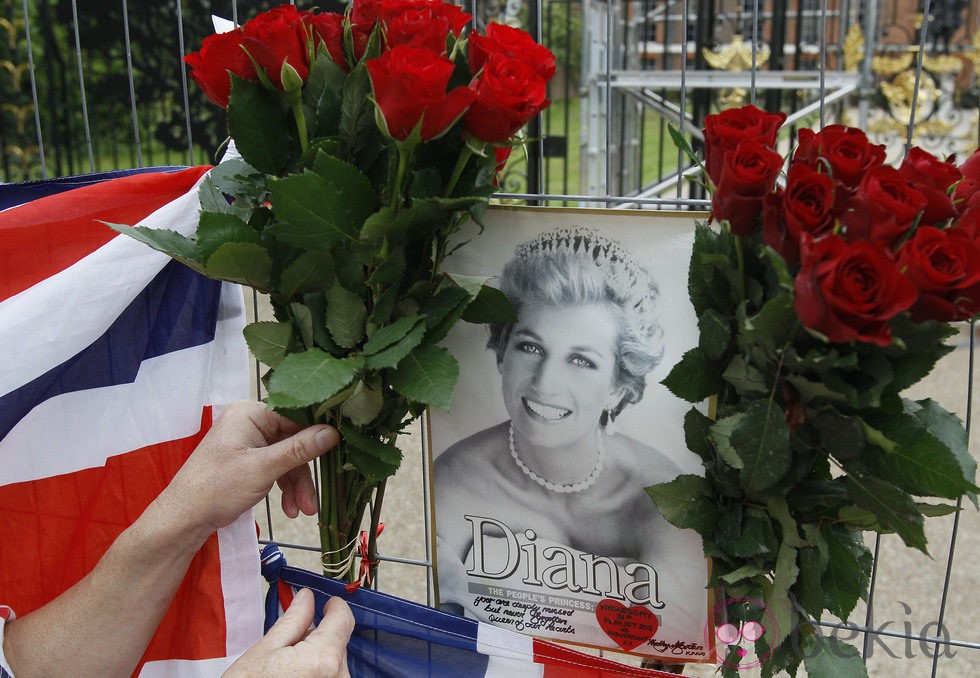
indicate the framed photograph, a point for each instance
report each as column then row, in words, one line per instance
column 559, row 422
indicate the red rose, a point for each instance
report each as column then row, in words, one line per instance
column 806, row 206
column 933, row 179
column 501, row 154
column 723, row 132
column 365, row 13
column 969, row 220
column 849, row 291
column 945, row 267
column 409, row 85
column 219, row 54
column 749, row 173
column 969, row 187
column 422, row 23
column 810, row 201
column 884, row 207
column 276, row 37
column 328, row 30
column 846, row 149
column 508, row 94
column 510, row 42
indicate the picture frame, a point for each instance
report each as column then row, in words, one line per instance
column 584, row 559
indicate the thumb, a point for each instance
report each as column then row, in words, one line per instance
column 299, row 448
column 292, row 626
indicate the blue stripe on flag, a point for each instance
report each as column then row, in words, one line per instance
column 392, row 636
column 176, row 310
column 12, row 195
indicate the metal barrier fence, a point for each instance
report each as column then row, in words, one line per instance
column 100, row 85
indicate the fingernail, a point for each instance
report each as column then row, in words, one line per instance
column 325, row 438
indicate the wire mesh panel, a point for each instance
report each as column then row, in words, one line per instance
column 100, row 85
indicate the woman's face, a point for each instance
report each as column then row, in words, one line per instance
column 559, row 372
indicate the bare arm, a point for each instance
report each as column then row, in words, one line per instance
column 102, row 625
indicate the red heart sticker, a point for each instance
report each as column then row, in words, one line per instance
column 628, row 626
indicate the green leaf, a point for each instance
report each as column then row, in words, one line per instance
column 258, row 121
column 753, row 536
column 315, row 212
column 809, row 590
column 696, row 431
column 721, row 437
column 216, row 228
column 490, row 306
column 310, row 272
column 269, row 342
column 681, row 142
column 311, row 377
column 930, row 456
column 747, row 571
column 443, row 309
column 779, row 510
column 385, row 336
column 169, row 242
column 778, row 601
column 685, row 503
column 365, row 403
column 840, row 436
column 323, row 93
column 712, row 272
column 694, row 378
column 848, row 571
column 393, row 354
column 924, row 347
column 895, row 508
column 303, row 319
column 374, row 458
column 761, row 440
column 345, row 315
column 746, row 378
column 241, row 262
column 471, row 283
column 716, row 333
column 427, row 375
column 772, row 326
column 831, row 657
column 225, row 179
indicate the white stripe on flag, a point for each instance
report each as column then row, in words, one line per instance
column 88, row 296
column 186, row 668
column 241, row 587
column 511, row 654
column 163, row 403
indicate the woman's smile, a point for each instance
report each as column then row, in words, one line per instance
column 545, row 412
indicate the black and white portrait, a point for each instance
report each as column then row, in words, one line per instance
column 559, row 423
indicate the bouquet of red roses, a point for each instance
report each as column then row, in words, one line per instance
column 366, row 140
column 819, row 301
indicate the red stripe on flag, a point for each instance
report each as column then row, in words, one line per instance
column 56, row 529
column 563, row 662
column 45, row 236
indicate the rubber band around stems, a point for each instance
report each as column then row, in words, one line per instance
column 343, row 567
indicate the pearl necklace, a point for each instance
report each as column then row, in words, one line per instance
column 555, row 487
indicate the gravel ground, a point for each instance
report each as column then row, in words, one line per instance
column 908, row 587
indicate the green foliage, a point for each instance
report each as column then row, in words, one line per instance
column 811, row 444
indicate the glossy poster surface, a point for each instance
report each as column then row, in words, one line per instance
column 558, row 424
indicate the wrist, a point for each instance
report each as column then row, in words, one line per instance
column 170, row 524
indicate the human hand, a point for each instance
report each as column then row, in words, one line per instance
column 290, row 649
column 247, row 449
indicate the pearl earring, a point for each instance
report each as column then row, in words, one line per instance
column 610, row 423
